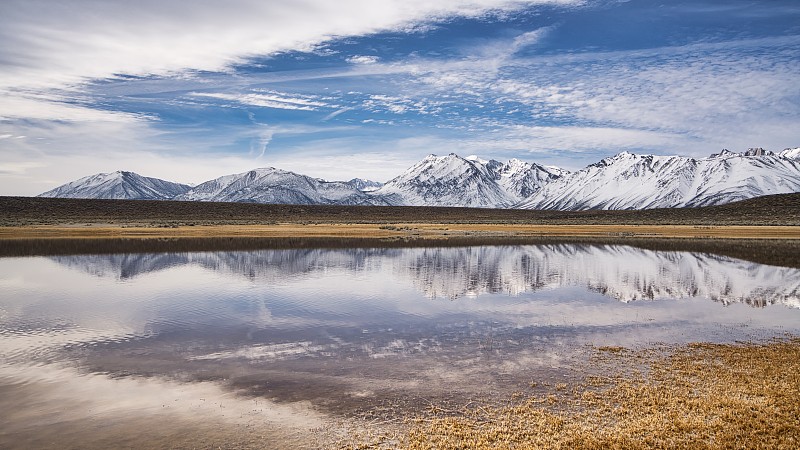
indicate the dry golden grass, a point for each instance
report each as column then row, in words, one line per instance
column 278, row 230
column 402, row 230
column 700, row 396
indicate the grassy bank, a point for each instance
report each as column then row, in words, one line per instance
column 699, row 396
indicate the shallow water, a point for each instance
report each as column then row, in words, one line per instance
column 259, row 348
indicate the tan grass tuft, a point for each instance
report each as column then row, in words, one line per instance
column 702, row 396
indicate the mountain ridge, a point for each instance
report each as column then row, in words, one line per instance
column 631, row 181
column 121, row 185
column 623, row 181
column 453, row 180
column 271, row 185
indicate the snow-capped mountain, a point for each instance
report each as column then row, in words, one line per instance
column 624, row 181
column 270, row 185
column 118, row 185
column 472, row 182
column 523, row 179
column 365, row 185
column 790, row 153
column 629, row 181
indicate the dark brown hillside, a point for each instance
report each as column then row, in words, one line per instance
column 19, row 211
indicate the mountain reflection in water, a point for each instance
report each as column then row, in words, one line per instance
column 278, row 341
column 619, row 272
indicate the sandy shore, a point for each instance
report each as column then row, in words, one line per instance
column 401, row 230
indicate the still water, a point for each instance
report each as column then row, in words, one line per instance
column 275, row 347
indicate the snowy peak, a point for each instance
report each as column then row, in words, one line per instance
column 365, row 185
column 523, row 179
column 475, row 159
column 790, row 153
column 447, row 181
column 620, row 158
column 515, row 165
column 630, row 181
column 473, row 182
column 119, row 185
column 758, row 152
column 725, row 153
column 452, row 166
column 753, row 151
column 271, row 185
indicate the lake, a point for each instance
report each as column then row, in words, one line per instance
column 294, row 347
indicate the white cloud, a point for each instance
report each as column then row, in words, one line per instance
column 55, row 107
column 20, row 174
column 362, row 59
column 336, row 113
column 580, row 138
column 51, row 49
column 691, row 99
column 720, row 100
column 400, row 104
column 342, row 166
column 55, row 43
column 18, row 168
column 500, row 51
column 270, row 100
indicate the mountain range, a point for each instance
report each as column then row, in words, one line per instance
column 270, row 185
column 624, row 181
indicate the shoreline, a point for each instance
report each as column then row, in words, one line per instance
column 777, row 246
column 407, row 230
column 646, row 398
column 650, row 396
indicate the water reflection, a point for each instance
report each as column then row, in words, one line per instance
column 369, row 303
column 620, row 272
column 342, row 329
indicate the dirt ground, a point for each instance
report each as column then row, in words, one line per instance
column 402, row 230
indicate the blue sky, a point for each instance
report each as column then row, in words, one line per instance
column 189, row 91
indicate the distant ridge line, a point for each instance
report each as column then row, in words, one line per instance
column 623, row 181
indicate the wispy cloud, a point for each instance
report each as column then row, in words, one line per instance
column 267, row 100
column 692, row 98
column 58, row 107
column 538, row 139
column 52, row 43
column 336, row 113
column 400, row 104
column 57, row 45
column 17, row 168
column 494, row 77
column 52, row 51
